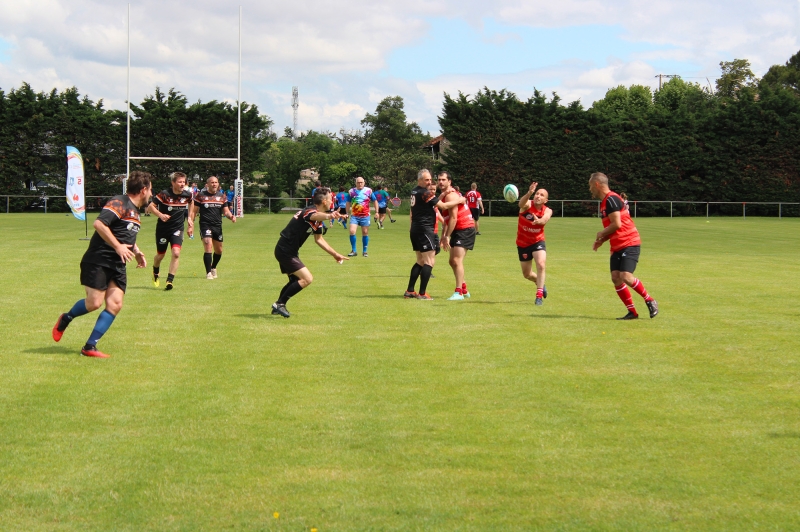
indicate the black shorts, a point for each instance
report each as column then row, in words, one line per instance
column 288, row 263
column 343, row 210
column 438, row 247
column 381, row 210
column 424, row 241
column 165, row 239
column 526, row 254
column 625, row 259
column 463, row 238
column 213, row 232
column 476, row 214
column 97, row 276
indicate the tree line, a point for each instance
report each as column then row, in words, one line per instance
column 740, row 142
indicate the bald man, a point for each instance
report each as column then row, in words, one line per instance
column 533, row 215
column 625, row 245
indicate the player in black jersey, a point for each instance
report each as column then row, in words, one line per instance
column 306, row 222
column 423, row 237
column 103, row 272
column 172, row 207
column 212, row 204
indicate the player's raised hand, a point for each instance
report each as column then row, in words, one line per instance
column 532, row 189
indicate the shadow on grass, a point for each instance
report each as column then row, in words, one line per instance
column 378, row 296
column 255, row 316
column 784, row 434
column 52, row 350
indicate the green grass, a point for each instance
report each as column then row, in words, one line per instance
column 365, row 411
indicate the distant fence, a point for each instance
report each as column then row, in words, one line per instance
column 561, row 207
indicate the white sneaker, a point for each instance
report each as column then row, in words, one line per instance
column 209, row 275
column 214, row 273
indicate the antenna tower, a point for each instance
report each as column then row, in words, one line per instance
column 295, row 105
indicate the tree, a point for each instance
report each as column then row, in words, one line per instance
column 786, row 76
column 736, row 75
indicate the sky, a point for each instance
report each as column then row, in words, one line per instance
column 347, row 56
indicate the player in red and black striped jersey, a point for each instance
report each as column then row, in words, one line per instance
column 306, row 222
column 458, row 235
column 171, row 206
column 103, row 273
column 212, row 204
column 533, row 215
column 625, row 245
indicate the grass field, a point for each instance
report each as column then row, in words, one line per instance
column 365, row 411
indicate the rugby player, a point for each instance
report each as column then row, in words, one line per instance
column 103, row 273
column 625, row 245
column 342, row 198
column 458, row 235
column 358, row 207
column 533, row 215
column 306, row 222
column 171, row 206
column 381, row 200
column 475, row 204
column 212, row 204
column 423, row 239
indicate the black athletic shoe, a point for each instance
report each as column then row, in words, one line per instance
column 352, row 254
column 280, row 308
column 652, row 306
column 538, row 302
column 168, row 286
column 629, row 316
column 393, row 221
column 544, row 291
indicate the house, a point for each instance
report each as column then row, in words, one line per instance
column 437, row 146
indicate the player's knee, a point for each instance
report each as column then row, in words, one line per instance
column 93, row 304
column 307, row 281
column 113, row 306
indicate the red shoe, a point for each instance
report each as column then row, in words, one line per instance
column 56, row 333
column 424, row 296
column 410, row 295
column 91, row 351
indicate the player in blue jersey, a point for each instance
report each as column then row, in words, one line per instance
column 342, row 199
column 382, row 198
column 358, row 207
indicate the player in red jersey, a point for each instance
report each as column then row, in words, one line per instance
column 475, row 204
column 625, row 245
column 533, row 215
column 458, row 235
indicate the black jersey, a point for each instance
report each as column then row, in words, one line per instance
column 296, row 232
column 211, row 206
column 423, row 209
column 122, row 217
column 174, row 205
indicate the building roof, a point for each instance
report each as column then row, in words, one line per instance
column 434, row 141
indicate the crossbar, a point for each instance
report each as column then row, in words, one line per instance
column 182, row 159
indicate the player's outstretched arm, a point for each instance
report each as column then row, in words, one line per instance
column 548, row 212
column 460, row 200
column 525, row 201
column 328, row 249
column 152, row 209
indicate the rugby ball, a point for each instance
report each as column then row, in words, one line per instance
column 511, row 193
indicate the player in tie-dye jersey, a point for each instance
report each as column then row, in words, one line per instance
column 358, row 207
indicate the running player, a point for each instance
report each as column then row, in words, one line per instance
column 458, row 235
column 342, row 199
column 171, row 206
column 358, row 207
column 212, row 204
column 475, row 204
column 306, row 222
column 381, row 198
column 423, row 241
column 533, row 215
column 625, row 245
column 103, row 273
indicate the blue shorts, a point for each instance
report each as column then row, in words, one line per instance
column 363, row 221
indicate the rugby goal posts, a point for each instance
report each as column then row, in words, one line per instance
column 238, row 183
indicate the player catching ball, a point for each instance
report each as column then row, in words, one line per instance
column 625, row 245
column 306, row 222
column 103, row 266
column 533, row 215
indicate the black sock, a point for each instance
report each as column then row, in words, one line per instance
column 426, row 276
column 207, row 262
column 288, row 291
column 217, row 257
column 155, row 271
column 292, row 279
column 170, row 278
column 412, row 280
